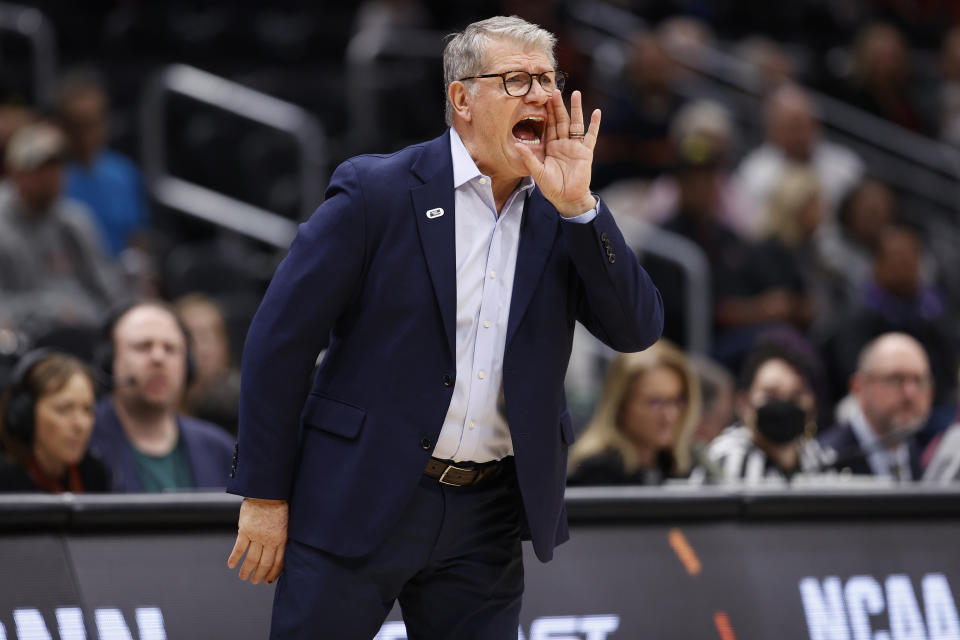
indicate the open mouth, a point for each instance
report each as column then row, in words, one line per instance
column 529, row 130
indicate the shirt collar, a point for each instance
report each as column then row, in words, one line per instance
column 465, row 169
column 879, row 458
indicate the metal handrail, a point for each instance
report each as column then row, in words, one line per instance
column 31, row 24
column 207, row 204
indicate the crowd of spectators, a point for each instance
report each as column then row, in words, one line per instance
column 834, row 345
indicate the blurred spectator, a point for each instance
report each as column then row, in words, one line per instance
column 793, row 136
column 658, row 200
column 846, row 247
column 774, row 438
column 106, row 181
column 880, row 80
column 892, row 391
column 53, row 270
column 687, row 40
column 641, row 430
column 896, row 299
column 46, row 418
column 768, row 66
column 697, row 218
column 214, row 392
column 634, row 140
column 950, row 89
column 12, row 118
column 742, row 303
column 786, row 252
column 138, row 433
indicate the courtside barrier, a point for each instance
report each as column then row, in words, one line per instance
column 811, row 563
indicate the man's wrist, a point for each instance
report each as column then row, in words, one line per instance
column 585, row 204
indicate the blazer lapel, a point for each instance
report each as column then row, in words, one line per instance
column 537, row 231
column 437, row 233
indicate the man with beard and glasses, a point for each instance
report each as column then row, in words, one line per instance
column 148, row 446
column 444, row 281
column 892, row 390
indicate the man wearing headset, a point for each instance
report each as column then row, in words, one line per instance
column 138, row 432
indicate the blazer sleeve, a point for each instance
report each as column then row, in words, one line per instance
column 310, row 290
column 619, row 303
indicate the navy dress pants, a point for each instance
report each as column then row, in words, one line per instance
column 454, row 562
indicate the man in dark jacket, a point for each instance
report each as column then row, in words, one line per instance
column 893, row 390
column 138, row 433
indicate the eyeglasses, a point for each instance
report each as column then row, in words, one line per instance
column 900, row 380
column 519, row 83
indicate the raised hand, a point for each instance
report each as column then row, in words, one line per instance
column 564, row 175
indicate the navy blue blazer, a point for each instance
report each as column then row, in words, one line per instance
column 209, row 450
column 373, row 280
column 850, row 454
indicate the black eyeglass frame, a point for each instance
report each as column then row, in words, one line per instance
column 560, row 80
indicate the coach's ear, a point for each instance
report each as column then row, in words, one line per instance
column 459, row 97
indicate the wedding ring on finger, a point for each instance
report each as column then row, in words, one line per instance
column 577, row 135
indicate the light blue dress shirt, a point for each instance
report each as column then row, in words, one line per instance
column 475, row 427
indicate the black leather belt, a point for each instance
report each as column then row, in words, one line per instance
column 460, row 474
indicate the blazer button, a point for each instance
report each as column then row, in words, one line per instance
column 612, row 258
column 447, row 381
column 425, row 444
column 603, row 236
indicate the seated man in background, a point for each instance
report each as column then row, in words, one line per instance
column 53, row 270
column 892, row 391
column 138, row 433
column 106, row 181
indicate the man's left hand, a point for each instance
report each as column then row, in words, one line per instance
column 564, row 175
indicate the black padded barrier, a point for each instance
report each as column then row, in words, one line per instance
column 694, row 563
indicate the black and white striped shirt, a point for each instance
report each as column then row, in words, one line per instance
column 742, row 461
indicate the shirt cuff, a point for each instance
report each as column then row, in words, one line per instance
column 587, row 216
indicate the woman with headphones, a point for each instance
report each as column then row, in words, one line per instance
column 46, row 418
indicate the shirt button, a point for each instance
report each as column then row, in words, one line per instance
column 481, row 375
column 486, row 324
column 425, row 444
column 493, row 274
column 447, row 381
column 472, row 424
column 483, row 181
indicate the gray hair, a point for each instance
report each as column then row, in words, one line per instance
column 464, row 54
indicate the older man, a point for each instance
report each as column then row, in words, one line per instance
column 445, row 281
column 893, row 391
